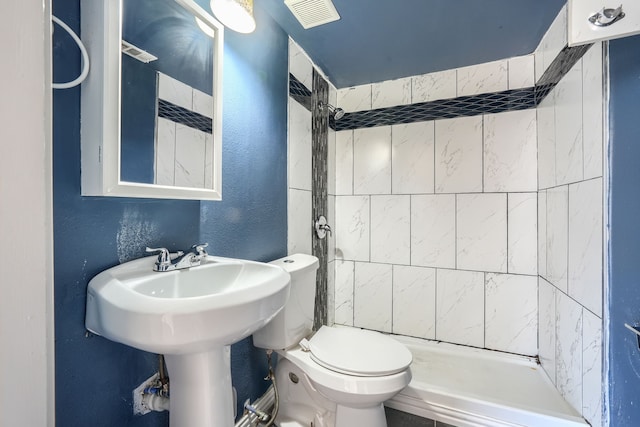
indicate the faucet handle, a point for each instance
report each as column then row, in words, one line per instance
column 164, row 256
column 199, row 249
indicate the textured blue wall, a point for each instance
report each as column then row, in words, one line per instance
column 94, row 377
column 624, row 276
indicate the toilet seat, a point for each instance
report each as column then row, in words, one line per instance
column 358, row 352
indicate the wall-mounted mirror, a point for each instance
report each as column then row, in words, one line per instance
column 151, row 105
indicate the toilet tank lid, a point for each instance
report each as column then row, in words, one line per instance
column 296, row 262
column 358, row 352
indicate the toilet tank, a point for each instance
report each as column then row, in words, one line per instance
column 295, row 321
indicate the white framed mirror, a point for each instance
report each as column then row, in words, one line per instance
column 151, row 107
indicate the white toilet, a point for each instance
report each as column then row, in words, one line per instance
column 337, row 377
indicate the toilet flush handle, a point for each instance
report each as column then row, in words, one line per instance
column 322, row 228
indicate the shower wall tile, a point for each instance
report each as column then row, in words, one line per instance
column 546, row 124
column 300, row 65
column 166, row 152
column 568, row 350
column 510, row 151
column 592, row 111
column 202, row 103
column 460, row 307
column 542, row 233
column 585, row 244
column 521, row 72
column 372, row 308
column 352, row 227
column 433, row 86
column 299, row 146
column 568, row 113
column 412, row 158
column 511, row 327
column 414, row 301
column 557, row 236
column 190, row 150
column 208, row 160
column 391, row 93
column 458, row 157
column 592, row 368
column 481, row 240
column 433, row 230
column 372, row 160
column 390, row 229
column 482, row 78
column 299, row 222
column 522, row 236
column 344, row 162
column 547, row 327
column 343, row 299
column 331, row 293
column 331, row 219
column 554, row 40
column 175, row 91
column 356, row 98
column 331, row 162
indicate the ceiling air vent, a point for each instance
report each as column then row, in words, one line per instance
column 137, row 53
column 311, row 13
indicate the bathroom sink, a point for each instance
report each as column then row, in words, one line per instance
column 217, row 303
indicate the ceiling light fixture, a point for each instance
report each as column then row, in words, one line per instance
column 236, row 15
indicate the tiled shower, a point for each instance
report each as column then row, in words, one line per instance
column 483, row 229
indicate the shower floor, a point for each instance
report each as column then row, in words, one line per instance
column 469, row 387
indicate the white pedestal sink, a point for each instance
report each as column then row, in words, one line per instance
column 191, row 316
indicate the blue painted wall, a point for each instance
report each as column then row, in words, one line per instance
column 624, row 289
column 94, row 377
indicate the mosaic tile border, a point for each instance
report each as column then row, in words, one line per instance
column 487, row 103
column 175, row 113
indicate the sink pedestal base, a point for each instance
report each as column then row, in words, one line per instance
column 200, row 387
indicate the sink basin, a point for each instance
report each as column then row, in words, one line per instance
column 191, row 316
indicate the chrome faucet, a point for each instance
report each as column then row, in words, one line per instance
column 179, row 260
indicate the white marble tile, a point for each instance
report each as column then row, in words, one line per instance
column 554, row 40
column 542, row 233
column 433, row 230
column 190, row 155
column 373, row 291
column 391, row 93
column 539, row 62
column 414, row 301
column 331, row 219
column 458, row 157
column 299, row 222
column 511, row 313
column 331, row 293
column 372, row 160
column 344, row 162
column 592, row 368
column 433, row 86
column 547, row 327
column 521, row 71
column 175, row 91
column 481, row 240
column 585, row 244
column 522, row 233
column 352, row 228
column 356, row 98
column 300, row 65
column 331, row 162
column 166, row 152
column 569, row 350
column 202, row 103
column 510, row 151
column 546, row 123
column 482, row 78
column 569, row 127
column 208, row 160
column 592, row 111
column 390, row 229
column 343, row 301
column 412, row 158
column 557, row 236
column 460, row 307
column 299, row 146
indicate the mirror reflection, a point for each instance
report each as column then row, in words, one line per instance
column 166, row 96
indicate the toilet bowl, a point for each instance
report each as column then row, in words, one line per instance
column 335, row 377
